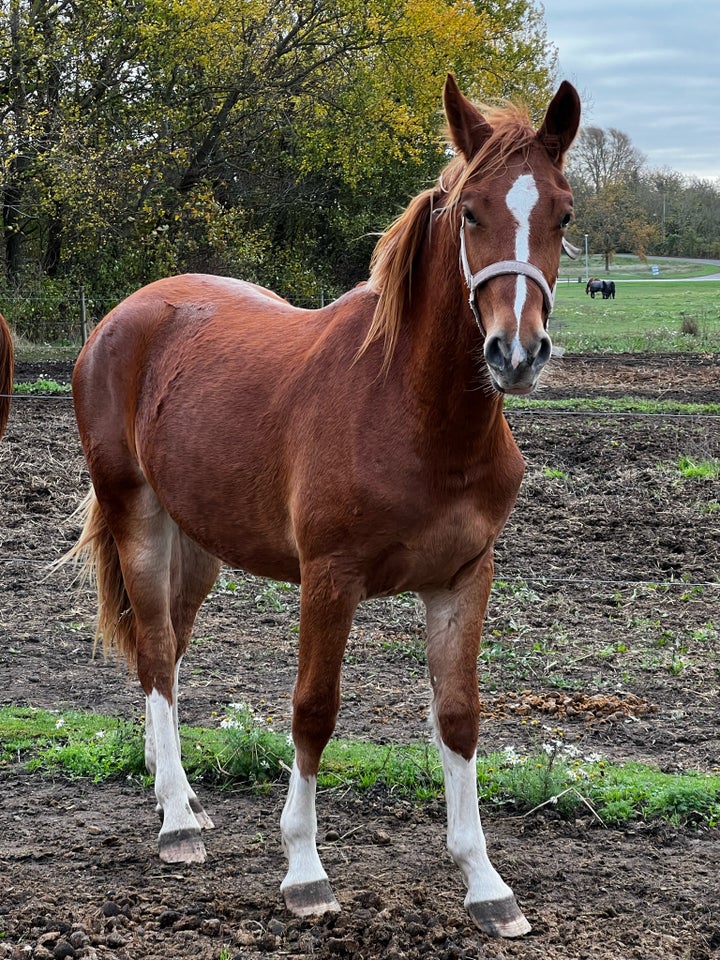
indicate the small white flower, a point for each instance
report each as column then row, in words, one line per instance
column 229, row 723
column 100, row 735
column 59, row 723
column 513, row 758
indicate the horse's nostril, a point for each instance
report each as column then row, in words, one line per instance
column 494, row 353
column 544, row 351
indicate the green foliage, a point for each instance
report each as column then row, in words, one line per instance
column 43, row 385
column 692, row 469
column 260, row 139
column 246, row 746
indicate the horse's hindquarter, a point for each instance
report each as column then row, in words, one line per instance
column 177, row 388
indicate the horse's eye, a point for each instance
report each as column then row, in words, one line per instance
column 469, row 217
column 565, row 222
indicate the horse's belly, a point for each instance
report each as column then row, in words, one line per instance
column 227, row 499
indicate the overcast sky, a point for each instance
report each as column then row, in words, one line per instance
column 650, row 68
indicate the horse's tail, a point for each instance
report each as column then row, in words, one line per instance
column 7, row 368
column 97, row 552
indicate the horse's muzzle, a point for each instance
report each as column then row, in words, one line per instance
column 514, row 367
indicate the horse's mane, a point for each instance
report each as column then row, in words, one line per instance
column 391, row 265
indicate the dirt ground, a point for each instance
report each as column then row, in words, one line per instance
column 603, row 629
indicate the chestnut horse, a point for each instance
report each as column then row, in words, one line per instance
column 6, row 372
column 359, row 450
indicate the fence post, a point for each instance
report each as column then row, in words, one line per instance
column 83, row 315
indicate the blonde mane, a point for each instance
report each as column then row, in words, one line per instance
column 391, row 265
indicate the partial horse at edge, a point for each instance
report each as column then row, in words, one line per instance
column 7, row 369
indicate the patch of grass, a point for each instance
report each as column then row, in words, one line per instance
column 638, row 405
column 246, row 747
column 635, row 790
column 42, row 386
column 692, row 469
column 79, row 744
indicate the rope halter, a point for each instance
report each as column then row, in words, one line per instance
column 498, row 269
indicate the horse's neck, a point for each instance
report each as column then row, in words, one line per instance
column 447, row 373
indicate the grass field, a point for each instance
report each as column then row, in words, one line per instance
column 665, row 313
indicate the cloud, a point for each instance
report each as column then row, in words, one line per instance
column 650, row 69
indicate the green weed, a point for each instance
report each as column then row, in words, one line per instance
column 276, row 595
column 246, row 746
column 699, row 469
column 41, row 386
column 249, row 748
column 554, row 473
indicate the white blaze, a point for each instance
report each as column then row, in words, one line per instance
column 521, row 199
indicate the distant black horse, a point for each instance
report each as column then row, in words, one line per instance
column 605, row 287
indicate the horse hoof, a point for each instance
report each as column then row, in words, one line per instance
column 204, row 821
column 311, row 899
column 182, row 846
column 499, row 918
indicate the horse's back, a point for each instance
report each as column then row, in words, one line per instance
column 203, row 324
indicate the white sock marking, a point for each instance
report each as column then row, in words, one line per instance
column 298, row 825
column 465, row 838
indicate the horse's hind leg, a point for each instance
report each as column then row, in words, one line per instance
column 166, row 578
column 454, row 619
column 326, row 614
column 204, row 821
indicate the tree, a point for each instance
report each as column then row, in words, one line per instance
column 604, row 170
column 616, row 221
column 601, row 157
column 260, row 138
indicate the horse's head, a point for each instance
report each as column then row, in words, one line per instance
column 511, row 205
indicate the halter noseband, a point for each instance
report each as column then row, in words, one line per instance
column 501, row 268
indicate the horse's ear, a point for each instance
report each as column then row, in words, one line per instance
column 468, row 127
column 560, row 126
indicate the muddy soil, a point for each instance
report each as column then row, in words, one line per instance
column 603, row 630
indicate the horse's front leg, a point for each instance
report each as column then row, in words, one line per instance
column 326, row 612
column 454, row 618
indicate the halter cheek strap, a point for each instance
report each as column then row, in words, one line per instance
column 501, row 268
